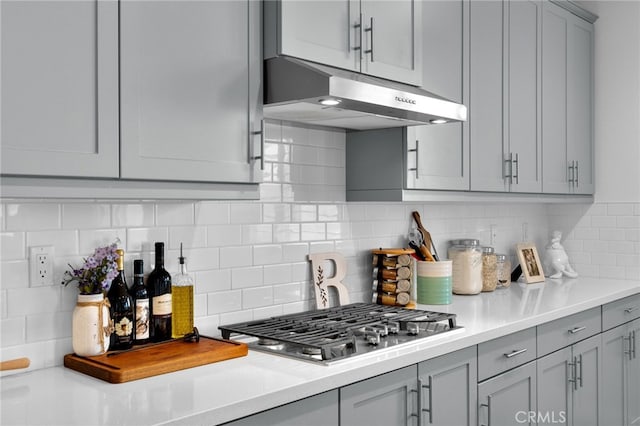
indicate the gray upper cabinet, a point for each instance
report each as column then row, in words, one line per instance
column 379, row 38
column 504, row 106
column 438, row 155
column 188, row 105
column 59, row 88
column 567, row 124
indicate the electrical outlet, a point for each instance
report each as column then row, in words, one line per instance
column 493, row 234
column 525, row 232
column 41, row 266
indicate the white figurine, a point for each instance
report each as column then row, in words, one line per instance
column 556, row 261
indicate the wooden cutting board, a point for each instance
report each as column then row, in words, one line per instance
column 155, row 359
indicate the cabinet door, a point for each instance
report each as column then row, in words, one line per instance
column 508, row 399
column 522, row 94
column 554, row 387
column 320, row 31
column 555, row 163
column 580, row 104
column 485, row 101
column 633, row 375
column 389, row 399
column 438, row 155
column 586, row 395
column 392, row 40
column 59, row 88
column 614, row 344
column 442, row 377
column 185, row 90
column 317, row 410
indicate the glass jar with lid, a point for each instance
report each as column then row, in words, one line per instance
column 466, row 257
column 489, row 269
column 503, row 266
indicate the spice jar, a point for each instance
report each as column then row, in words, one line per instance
column 489, row 269
column 467, row 266
column 503, row 269
column 391, row 299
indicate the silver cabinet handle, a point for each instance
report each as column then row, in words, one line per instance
column 515, row 352
column 579, row 361
column 577, row 174
column 261, row 156
column 574, row 373
column 359, row 27
column 633, row 335
column 630, row 351
column 416, row 150
column 430, row 387
column 488, row 405
column 571, row 173
column 577, row 329
column 417, row 392
column 508, row 165
column 516, row 176
column 631, row 309
column 370, row 31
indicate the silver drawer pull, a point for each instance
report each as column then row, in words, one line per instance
column 515, row 352
column 631, row 309
column 577, row 329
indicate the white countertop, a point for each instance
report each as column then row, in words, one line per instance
column 227, row 390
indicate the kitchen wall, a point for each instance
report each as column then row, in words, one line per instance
column 249, row 258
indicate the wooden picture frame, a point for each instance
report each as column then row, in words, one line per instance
column 530, row 262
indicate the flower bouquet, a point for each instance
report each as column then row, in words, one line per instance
column 97, row 272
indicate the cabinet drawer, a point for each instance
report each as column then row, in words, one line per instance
column 504, row 353
column 620, row 311
column 568, row 330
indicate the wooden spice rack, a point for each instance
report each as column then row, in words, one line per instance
column 155, row 359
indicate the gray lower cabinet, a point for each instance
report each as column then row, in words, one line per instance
column 190, row 78
column 448, row 389
column 570, row 385
column 621, row 375
column 59, row 88
column 317, row 410
column 388, row 399
column 509, row 398
column 567, row 102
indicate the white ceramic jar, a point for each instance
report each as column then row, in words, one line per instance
column 91, row 325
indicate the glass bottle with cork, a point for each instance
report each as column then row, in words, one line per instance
column 141, row 304
column 121, row 309
column 182, row 297
column 159, row 287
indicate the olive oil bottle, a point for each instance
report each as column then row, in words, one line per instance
column 182, row 300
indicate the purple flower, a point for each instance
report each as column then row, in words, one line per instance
column 98, row 271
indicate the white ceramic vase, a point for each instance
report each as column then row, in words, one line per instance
column 91, row 325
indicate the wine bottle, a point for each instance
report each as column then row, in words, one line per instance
column 182, row 297
column 159, row 287
column 121, row 309
column 141, row 304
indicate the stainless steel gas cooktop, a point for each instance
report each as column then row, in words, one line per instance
column 341, row 332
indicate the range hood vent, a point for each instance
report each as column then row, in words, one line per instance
column 305, row 92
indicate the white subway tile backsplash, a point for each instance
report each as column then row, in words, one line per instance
column 32, row 217
column 65, row 242
column 231, row 257
column 276, row 213
column 312, row 231
column 212, row 281
column 82, row 216
column 189, row 236
column 224, row 235
column 257, row 297
column 620, row 209
column 257, row 234
column 12, row 331
column 54, row 325
column 286, row 232
column 14, row 274
column 197, row 259
column 212, row 213
column 277, row 274
column 287, row 293
column 246, row 277
column 36, row 300
column 271, row 192
column 168, row 214
column 245, row 213
column 89, row 239
column 132, row 215
column 224, row 301
column 267, row 254
column 143, row 239
column 304, row 213
column 13, row 245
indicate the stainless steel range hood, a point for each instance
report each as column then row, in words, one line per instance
column 305, row 92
